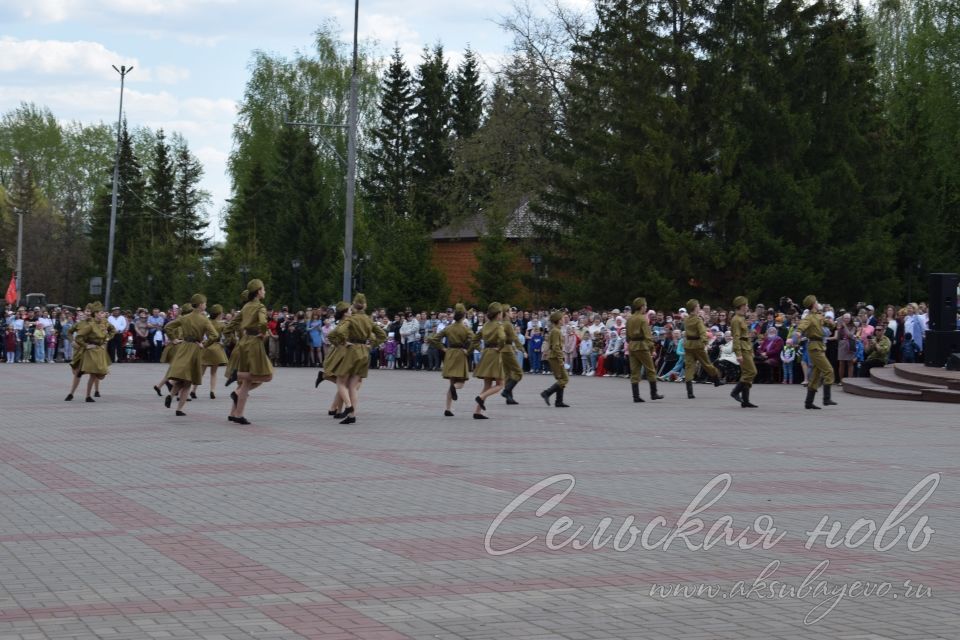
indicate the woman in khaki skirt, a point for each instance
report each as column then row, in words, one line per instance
column 83, row 316
column 455, row 365
column 490, row 369
column 358, row 331
column 214, row 356
column 253, row 365
column 196, row 333
column 335, row 357
column 93, row 337
column 170, row 349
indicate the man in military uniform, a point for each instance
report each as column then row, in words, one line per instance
column 554, row 355
column 695, row 348
column 640, row 338
column 508, row 356
column 743, row 348
column 812, row 329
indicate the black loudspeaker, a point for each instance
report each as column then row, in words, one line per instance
column 942, row 314
column 953, row 362
column 938, row 346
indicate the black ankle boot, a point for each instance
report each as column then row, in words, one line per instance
column 690, row 395
column 635, row 387
column 827, row 400
column 559, row 402
column 811, row 394
column 745, row 399
column 735, row 394
column 653, row 391
column 718, row 382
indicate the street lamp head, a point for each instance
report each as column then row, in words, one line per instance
column 295, row 263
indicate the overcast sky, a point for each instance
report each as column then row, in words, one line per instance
column 191, row 56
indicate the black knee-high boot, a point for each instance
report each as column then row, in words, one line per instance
column 546, row 393
column 735, row 394
column 827, row 400
column 559, row 402
column 635, row 387
column 745, row 402
column 690, row 395
column 653, row 391
column 811, row 394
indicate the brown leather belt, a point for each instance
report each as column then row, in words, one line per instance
column 191, row 340
column 252, row 332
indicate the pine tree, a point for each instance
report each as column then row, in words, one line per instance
column 389, row 180
column 495, row 278
column 130, row 208
column 189, row 200
column 161, row 186
column 467, row 97
column 431, row 139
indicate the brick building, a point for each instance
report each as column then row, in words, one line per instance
column 455, row 253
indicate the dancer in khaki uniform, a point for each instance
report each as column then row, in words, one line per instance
column 455, row 366
column 253, row 365
column 490, row 368
column 186, row 368
column 743, row 348
column 359, row 332
column 640, row 338
column 554, row 356
column 695, row 349
column 812, row 329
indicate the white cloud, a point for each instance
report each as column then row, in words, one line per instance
column 63, row 10
column 80, row 59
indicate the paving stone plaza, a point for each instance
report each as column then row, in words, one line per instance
column 120, row 520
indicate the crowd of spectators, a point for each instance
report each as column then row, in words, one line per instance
column 594, row 341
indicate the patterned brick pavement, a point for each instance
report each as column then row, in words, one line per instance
column 119, row 520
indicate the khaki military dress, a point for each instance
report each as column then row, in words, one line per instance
column 357, row 330
column 92, row 337
column 508, row 352
column 640, row 338
column 812, row 329
column 77, row 345
column 186, row 364
column 214, row 355
column 695, row 350
column 251, row 352
column 494, row 337
column 334, row 357
column 459, row 337
column 743, row 347
column 169, row 349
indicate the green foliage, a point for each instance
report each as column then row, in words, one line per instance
column 288, row 180
column 388, row 180
column 495, row 278
column 431, row 163
column 468, row 96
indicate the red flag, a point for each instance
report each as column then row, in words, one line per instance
column 12, row 296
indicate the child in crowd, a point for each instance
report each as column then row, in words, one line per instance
column 390, row 349
column 908, row 352
column 10, row 344
column 39, row 343
column 586, row 348
column 787, row 357
column 27, row 352
column 51, row 338
column 536, row 351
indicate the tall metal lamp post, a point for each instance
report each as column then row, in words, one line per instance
column 123, row 71
column 295, row 265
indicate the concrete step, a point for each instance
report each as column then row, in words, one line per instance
column 930, row 375
column 941, row 395
column 888, row 377
column 870, row 389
